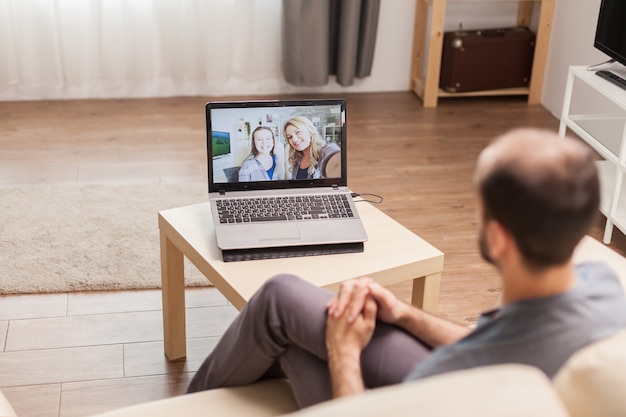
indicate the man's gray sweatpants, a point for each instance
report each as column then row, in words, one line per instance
column 283, row 325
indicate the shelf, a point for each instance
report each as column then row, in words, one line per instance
column 608, row 174
column 425, row 68
column 604, row 131
column 500, row 92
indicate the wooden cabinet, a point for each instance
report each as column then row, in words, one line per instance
column 428, row 45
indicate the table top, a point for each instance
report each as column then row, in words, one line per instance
column 392, row 254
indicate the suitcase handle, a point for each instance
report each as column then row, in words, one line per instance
column 492, row 33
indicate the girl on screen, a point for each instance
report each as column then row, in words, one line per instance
column 263, row 163
column 309, row 155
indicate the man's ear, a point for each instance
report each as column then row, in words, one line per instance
column 499, row 239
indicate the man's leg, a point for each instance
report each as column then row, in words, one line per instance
column 391, row 355
column 286, row 311
column 285, row 322
column 308, row 376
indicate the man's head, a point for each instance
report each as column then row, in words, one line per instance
column 541, row 189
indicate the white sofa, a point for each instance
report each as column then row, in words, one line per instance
column 591, row 383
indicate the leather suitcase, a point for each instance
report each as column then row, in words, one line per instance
column 486, row 59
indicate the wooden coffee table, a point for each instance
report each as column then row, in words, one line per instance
column 392, row 254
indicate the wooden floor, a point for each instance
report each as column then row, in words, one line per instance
column 80, row 353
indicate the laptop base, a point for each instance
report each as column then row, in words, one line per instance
column 234, row 255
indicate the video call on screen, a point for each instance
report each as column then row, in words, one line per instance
column 231, row 140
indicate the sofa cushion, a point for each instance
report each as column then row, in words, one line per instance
column 492, row 391
column 593, row 381
column 266, row 398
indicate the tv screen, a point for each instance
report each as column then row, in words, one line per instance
column 611, row 29
column 221, row 143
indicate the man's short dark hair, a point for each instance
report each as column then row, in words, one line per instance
column 549, row 209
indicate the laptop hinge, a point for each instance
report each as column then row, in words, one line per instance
column 335, row 187
column 222, row 192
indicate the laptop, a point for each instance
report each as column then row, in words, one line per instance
column 288, row 153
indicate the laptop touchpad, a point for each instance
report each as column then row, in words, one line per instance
column 277, row 232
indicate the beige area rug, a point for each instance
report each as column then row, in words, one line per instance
column 79, row 238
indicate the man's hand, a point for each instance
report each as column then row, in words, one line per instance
column 349, row 328
column 350, row 300
column 390, row 309
column 349, row 335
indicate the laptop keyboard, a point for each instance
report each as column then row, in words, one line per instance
column 264, row 209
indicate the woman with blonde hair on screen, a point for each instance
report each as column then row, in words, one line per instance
column 309, row 155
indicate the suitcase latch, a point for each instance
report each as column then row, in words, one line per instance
column 458, row 43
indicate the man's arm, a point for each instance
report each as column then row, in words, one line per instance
column 432, row 330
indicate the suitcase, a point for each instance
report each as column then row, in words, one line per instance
column 486, row 59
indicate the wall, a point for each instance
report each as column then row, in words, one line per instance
column 571, row 43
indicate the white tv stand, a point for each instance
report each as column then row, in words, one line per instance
column 603, row 126
column 606, row 65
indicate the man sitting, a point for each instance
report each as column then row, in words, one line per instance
column 538, row 196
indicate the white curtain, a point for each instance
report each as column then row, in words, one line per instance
column 138, row 48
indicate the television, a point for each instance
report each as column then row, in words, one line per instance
column 611, row 30
column 221, row 143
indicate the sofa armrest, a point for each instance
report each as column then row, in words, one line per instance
column 493, row 391
column 593, row 382
column 267, row 398
column 590, row 249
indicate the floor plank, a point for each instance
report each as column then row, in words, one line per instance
column 82, row 303
column 93, row 330
column 145, row 359
column 113, row 328
column 35, row 400
column 4, row 327
column 34, row 367
column 209, row 321
column 79, row 399
column 30, row 306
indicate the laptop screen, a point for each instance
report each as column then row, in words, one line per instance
column 274, row 144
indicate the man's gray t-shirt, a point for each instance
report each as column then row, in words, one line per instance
column 542, row 332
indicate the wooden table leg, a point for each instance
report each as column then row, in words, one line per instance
column 426, row 292
column 173, row 293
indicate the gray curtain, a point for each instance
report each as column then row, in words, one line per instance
column 328, row 37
